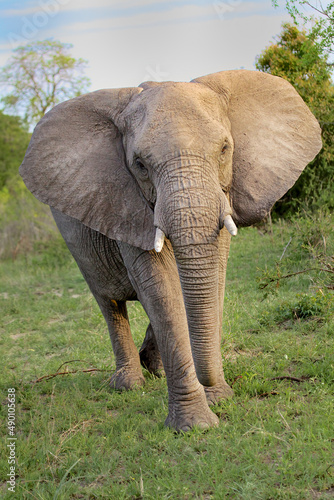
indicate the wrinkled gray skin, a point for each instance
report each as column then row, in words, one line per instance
column 115, row 165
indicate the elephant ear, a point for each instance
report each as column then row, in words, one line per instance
column 275, row 136
column 75, row 163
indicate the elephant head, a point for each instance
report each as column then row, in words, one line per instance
column 176, row 159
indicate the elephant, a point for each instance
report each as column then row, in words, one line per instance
column 146, row 185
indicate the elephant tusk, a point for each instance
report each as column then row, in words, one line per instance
column 230, row 226
column 159, row 240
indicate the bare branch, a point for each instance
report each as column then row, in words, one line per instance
column 274, row 280
column 321, row 11
column 52, row 375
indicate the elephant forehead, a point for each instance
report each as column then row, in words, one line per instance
column 176, row 102
column 176, row 116
column 184, row 99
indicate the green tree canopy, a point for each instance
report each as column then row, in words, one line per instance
column 38, row 76
column 14, row 140
column 296, row 57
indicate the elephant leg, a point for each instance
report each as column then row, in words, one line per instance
column 128, row 372
column 221, row 390
column 100, row 263
column 149, row 354
column 155, row 278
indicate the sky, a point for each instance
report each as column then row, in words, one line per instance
column 129, row 41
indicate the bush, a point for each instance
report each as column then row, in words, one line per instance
column 309, row 251
column 23, row 221
column 305, row 306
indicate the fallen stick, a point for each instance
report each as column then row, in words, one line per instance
column 286, row 377
column 273, row 280
column 52, row 375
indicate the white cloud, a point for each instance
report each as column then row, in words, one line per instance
column 184, row 14
column 26, row 11
column 79, row 5
column 178, row 14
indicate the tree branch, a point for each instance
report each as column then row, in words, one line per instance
column 323, row 12
column 52, row 375
column 274, row 280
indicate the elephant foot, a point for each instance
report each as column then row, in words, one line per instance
column 125, row 379
column 186, row 415
column 218, row 392
column 150, row 356
column 184, row 420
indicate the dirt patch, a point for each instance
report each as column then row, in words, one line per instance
column 234, row 353
column 18, row 335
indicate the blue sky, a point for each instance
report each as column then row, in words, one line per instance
column 129, row 41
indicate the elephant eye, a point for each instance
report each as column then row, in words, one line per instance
column 141, row 168
column 224, row 148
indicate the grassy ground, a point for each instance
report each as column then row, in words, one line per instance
column 77, row 439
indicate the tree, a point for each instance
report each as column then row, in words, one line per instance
column 38, row 76
column 296, row 57
column 323, row 25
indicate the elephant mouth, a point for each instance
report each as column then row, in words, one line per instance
column 226, row 221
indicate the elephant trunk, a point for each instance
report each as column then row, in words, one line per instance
column 191, row 219
column 198, row 271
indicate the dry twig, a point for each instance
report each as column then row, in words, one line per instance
column 52, row 375
column 273, row 280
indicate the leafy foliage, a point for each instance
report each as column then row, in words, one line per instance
column 302, row 306
column 308, row 255
column 39, row 75
column 296, row 57
column 14, row 140
column 23, row 219
column 307, row 306
column 323, row 25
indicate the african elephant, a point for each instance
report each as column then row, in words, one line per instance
column 144, row 184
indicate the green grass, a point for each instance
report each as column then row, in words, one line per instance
column 78, row 439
